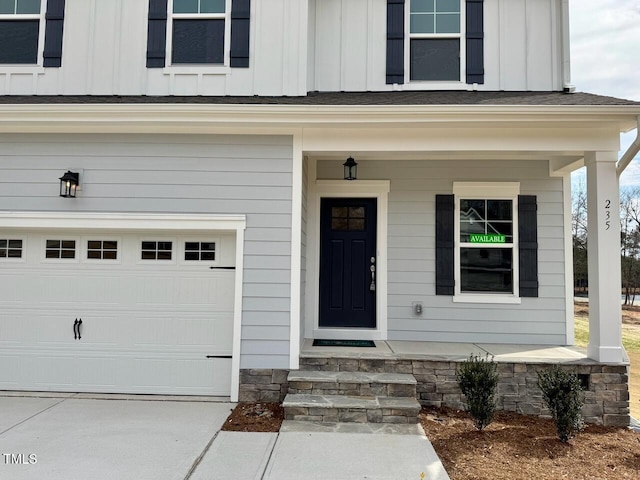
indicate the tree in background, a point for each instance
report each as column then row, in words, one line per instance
column 579, row 230
column 629, row 240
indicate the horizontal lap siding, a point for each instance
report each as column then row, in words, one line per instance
column 411, row 253
column 248, row 175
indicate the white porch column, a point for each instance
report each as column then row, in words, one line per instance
column 603, row 214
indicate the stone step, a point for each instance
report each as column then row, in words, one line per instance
column 364, row 384
column 360, row 363
column 352, row 409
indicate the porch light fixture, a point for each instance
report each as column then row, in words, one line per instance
column 68, row 184
column 350, row 169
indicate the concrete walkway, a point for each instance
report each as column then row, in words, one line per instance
column 104, row 437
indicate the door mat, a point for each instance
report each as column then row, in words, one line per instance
column 343, row 343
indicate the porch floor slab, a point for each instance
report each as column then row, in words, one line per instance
column 444, row 351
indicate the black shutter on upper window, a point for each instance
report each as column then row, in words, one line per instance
column 54, row 25
column 445, row 280
column 395, row 41
column 475, row 41
column 240, row 31
column 157, row 34
column 528, row 245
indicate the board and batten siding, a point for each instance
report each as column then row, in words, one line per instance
column 104, row 53
column 411, row 253
column 206, row 174
column 347, row 45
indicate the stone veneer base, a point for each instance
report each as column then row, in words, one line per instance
column 606, row 399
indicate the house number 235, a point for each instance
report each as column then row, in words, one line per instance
column 607, row 212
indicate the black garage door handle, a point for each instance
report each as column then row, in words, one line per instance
column 75, row 325
column 79, row 324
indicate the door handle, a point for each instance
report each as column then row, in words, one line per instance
column 372, row 287
column 79, row 324
column 75, row 325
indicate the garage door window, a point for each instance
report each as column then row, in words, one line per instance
column 63, row 249
column 102, row 250
column 152, row 250
column 10, row 248
column 200, row 251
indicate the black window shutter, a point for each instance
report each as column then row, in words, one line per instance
column 475, row 41
column 240, row 27
column 528, row 245
column 54, row 24
column 445, row 280
column 395, row 41
column 157, row 34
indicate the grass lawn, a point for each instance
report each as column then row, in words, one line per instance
column 630, row 340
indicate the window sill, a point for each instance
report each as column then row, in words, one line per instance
column 489, row 298
column 428, row 85
column 22, row 69
column 196, row 69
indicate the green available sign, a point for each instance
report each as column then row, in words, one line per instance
column 482, row 238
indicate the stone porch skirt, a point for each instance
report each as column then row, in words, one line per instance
column 606, row 395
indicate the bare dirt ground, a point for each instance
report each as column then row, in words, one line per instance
column 525, row 447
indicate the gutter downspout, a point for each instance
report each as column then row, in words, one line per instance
column 631, row 152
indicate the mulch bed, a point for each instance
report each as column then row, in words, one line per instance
column 255, row 417
column 525, row 447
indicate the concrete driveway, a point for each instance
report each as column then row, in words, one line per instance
column 80, row 438
column 116, row 437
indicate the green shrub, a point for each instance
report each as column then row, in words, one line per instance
column 478, row 380
column 564, row 396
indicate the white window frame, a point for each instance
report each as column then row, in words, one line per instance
column 28, row 67
column 150, row 238
column 23, row 249
column 78, row 248
column 488, row 191
column 204, row 67
column 185, row 240
column 101, row 238
column 436, row 84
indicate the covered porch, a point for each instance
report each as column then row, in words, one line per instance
column 405, row 162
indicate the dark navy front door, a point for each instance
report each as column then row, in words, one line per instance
column 348, row 270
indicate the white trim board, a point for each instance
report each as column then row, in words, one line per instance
column 378, row 189
column 157, row 222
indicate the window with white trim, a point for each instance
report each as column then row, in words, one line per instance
column 486, row 254
column 20, row 31
column 199, row 32
column 60, row 249
column 102, row 249
column 435, row 40
column 200, row 251
column 10, row 248
column 156, row 250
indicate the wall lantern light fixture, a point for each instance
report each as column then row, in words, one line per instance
column 68, row 184
column 350, row 169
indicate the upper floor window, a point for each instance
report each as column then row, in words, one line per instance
column 19, row 31
column 197, row 34
column 434, row 40
column 199, row 31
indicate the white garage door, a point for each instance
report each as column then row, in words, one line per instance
column 109, row 311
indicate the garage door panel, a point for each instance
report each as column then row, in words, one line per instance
column 211, row 334
column 147, row 327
